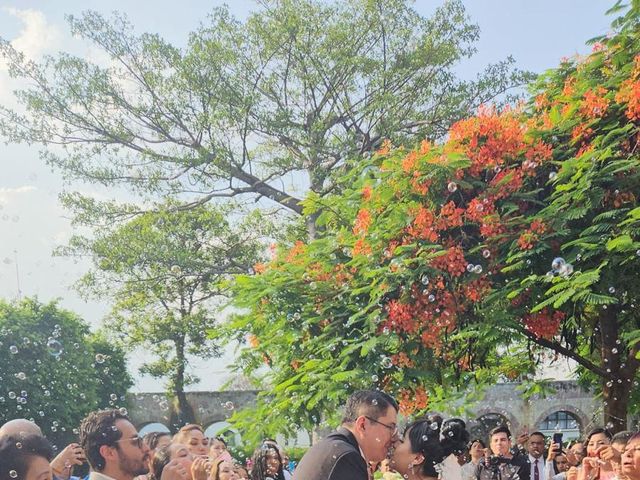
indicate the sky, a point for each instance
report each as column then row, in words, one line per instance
column 32, row 222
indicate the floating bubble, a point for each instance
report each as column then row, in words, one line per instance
column 566, row 270
column 54, row 347
column 470, row 267
column 612, row 290
column 558, row 263
column 113, row 397
column 486, row 253
column 12, row 395
column 176, row 270
column 553, row 176
column 614, row 350
column 21, row 376
column 13, row 474
column 229, row 406
column 374, row 378
column 477, row 269
column 100, row 358
column 431, row 298
column 386, row 362
column 452, row 187
column 123, row 411
column 424, row 280
column 13, row 349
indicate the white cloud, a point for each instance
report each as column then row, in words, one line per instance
column 37, row 35
column 7, row 194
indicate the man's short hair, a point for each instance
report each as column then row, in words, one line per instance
column 622, row 437
column 17, row 452
column 500, row 429
column 98, row 429
column 540, row 434
column 370, row 403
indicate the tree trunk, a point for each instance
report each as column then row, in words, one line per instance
column 182, row 412
column 621, row 368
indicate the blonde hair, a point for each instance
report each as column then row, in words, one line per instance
column 183, row 436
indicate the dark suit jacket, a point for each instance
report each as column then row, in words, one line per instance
column 337, row 457
column 520, row 462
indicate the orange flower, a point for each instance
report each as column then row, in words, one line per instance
column 543, row 324
column 296, row 251
column 630, row 94
column 361, row 247
column 452, row 261
column 385, row 147
column 413, row 401
column 595, row 104
column 409, row 162
column 259, row 268
column 366, row 192
column 362, row 223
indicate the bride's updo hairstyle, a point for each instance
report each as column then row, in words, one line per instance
column 436, row 440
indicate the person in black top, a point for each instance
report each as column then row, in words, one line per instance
column 368, row 430
column 500, row 463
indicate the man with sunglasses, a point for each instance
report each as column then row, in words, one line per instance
column 368, row 430
column 112, row 445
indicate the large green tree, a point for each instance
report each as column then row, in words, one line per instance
column 53, row 370
column 445, row 266
column 247, row 108
column 163, row 272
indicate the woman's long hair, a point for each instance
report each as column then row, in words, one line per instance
column 436, row 440
column 259, row 469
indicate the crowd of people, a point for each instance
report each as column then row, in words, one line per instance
column 368, row 444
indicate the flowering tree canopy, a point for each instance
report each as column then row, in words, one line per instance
column 446, row 265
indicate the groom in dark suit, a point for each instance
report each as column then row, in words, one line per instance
column 368, row 430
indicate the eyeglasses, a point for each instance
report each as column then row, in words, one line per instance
column 392, row 428
column 137, row 441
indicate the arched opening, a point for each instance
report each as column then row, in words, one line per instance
column 561, row 421
column 153, row 427
column 223, row 429
column 481, row 427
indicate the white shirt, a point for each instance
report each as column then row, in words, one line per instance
column 542, row 472
column 93, row 475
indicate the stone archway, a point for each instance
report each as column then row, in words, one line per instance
column 579, row 416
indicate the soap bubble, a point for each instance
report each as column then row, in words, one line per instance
column 386, row 362
column 452, row 187
column 100, row 358
column 229, row 405
column 470, row 267
column 21, row 376
column 612, row 290
column 557, row 263
column 553, row 176
column 477, row 269
column 566, row 270
column 54, row 347
column 113, row 397
column 374, row 378
column 424, row 280
column 13, row 349
column 486, row 253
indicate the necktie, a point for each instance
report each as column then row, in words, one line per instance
column 536, row 472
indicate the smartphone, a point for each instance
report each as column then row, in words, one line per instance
column 557, row 438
